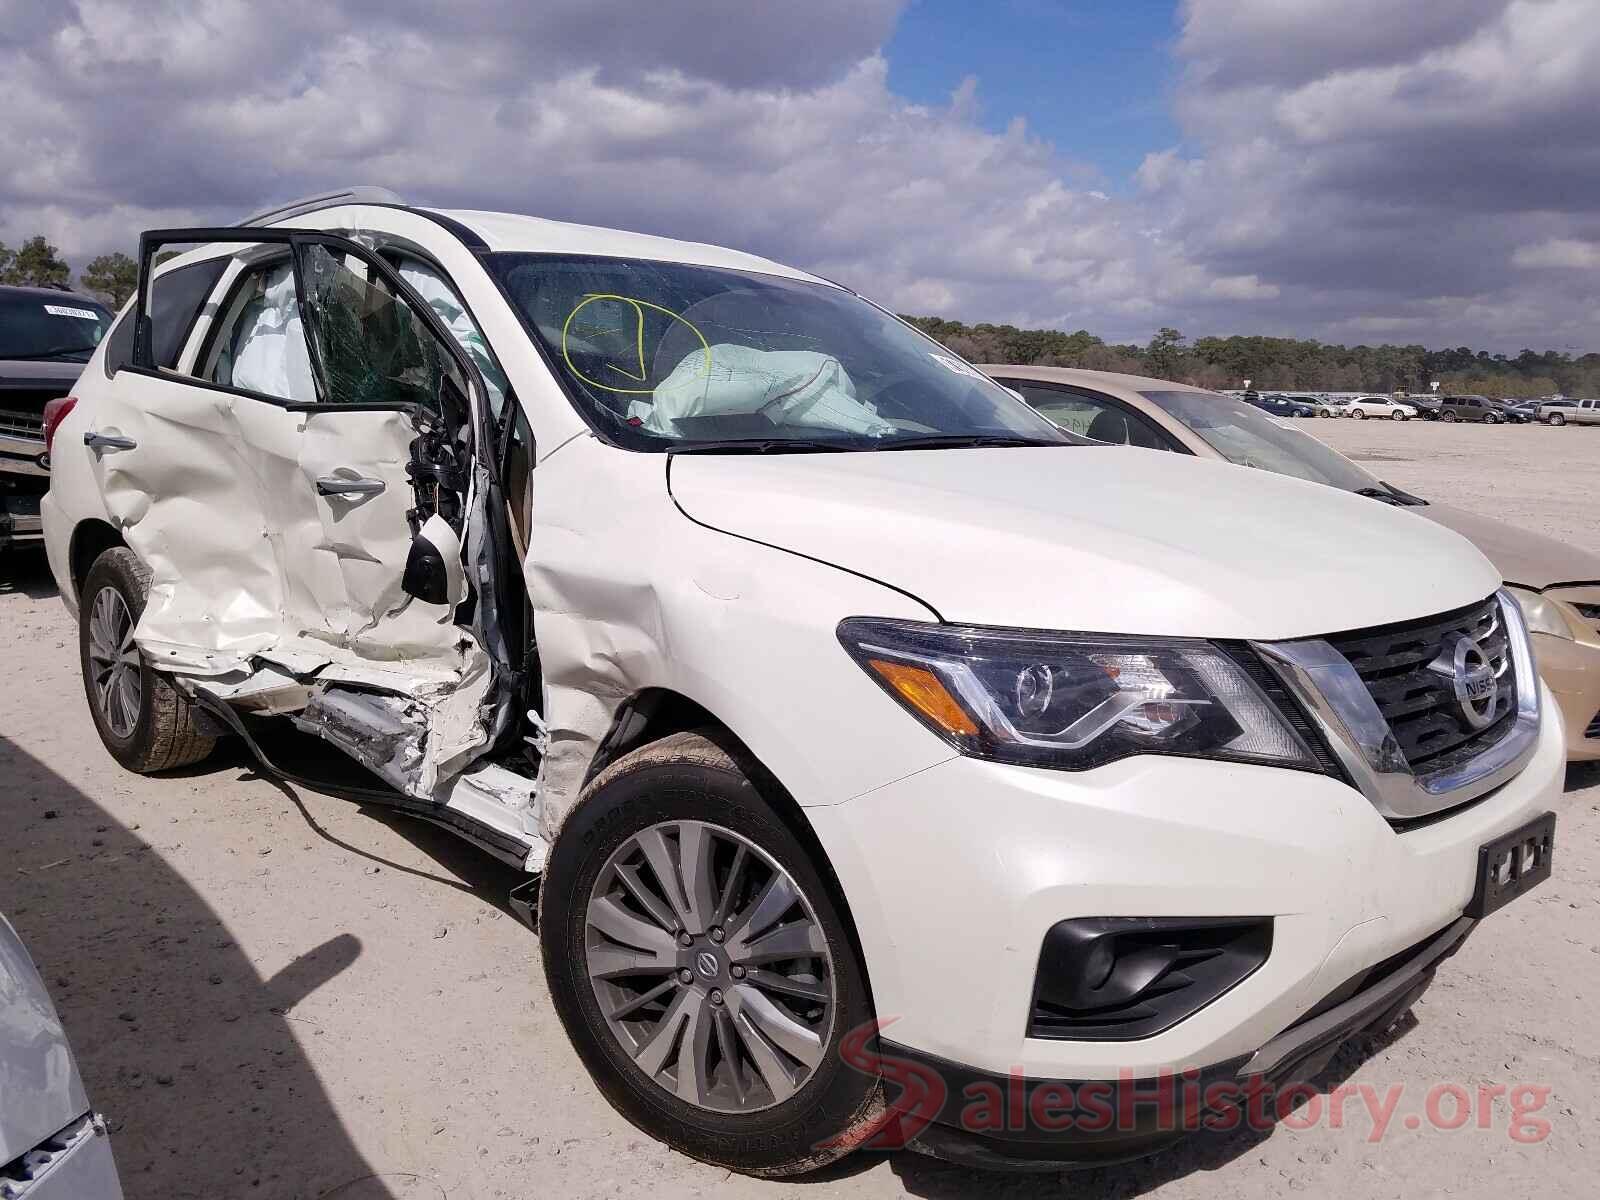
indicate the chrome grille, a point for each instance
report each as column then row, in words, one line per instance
column 1420, row 703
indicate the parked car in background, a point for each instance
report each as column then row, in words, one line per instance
column 1518, row 414
column 806, row 674
column 1333, row 406
column 1280, row 405
column 46, row 335
column 1380, row 406
column 1558, row 584
column 1427, row 406
column 1471, row 408
column 1578, row 412
column 52, row 1143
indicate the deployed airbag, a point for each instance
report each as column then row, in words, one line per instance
column 788, row 387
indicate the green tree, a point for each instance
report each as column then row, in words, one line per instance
column 1163, row 357
column 116, row 274
column 36, row 263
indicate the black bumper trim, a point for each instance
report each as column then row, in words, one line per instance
column 982, row 1119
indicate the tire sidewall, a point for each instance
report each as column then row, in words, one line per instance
column 778, row 1140
column 113, row 569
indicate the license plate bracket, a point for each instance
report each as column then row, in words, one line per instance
column 1513, row 864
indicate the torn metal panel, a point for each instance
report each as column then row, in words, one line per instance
column 385, row 734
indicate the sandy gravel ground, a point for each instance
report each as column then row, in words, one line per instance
column 282, row 995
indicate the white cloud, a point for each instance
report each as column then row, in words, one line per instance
column 1346, row 160
column 1560, row 253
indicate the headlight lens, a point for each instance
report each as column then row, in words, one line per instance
column 1073, row 701
column 1542, row 614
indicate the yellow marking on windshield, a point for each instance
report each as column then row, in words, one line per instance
column 644, row 371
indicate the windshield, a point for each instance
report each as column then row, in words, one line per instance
column 1244, row 435
column 45, row 328
column 664, row 355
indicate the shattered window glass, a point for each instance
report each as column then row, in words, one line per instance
column 370, row 346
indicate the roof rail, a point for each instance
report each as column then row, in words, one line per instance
column 350, row 195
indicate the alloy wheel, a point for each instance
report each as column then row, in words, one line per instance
column 114, row 662
column 710, row 967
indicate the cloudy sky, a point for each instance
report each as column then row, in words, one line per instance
column 1352, row 170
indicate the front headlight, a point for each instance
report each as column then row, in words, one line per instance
column 1073, row 701
column 1542, row 614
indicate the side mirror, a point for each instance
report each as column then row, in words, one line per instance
column 434, row 573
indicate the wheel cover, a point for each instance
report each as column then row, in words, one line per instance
column 114, row 666
column 710, row 967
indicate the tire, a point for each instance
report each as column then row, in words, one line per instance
column 1360, row 414
column 145, row 722
column 1555, row 419
column 1447, row 416
column 704, row 785
column 1397, row 416
column 1491, row 419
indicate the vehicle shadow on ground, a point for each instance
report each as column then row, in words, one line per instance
column 1201, row 1151
column 1582, row 775
column 27, row 572
column 189, row 1053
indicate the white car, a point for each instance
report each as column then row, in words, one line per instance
column 53, row 1145
column 1378, row 406
column 816, row 682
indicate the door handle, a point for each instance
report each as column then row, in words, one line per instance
column 345, row 485
column 108, row 441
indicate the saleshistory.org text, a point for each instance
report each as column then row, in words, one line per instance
column 1173, row 1101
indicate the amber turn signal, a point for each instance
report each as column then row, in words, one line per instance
column 923, row 691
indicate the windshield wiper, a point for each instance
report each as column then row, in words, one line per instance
column 1391, row 495
column 762, row 446
column 944, row 441
column 52, row 352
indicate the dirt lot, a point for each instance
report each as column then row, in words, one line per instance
column 282, row 995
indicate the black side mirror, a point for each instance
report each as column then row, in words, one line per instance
column 433, row 571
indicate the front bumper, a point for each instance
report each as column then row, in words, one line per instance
column 1572, row 669
column 1016, row 1123
column 971, row 863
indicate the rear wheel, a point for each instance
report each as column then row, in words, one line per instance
column 1360, row 414
column 701, row 965
column 146, row 723
column 1555, row 419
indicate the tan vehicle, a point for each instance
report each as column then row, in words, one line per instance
column 1558, row 584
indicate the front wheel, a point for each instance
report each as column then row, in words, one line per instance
column 701, row 964
column 1447, row 415
column 1491, row 419
column 146, row 723
column 1399, row 416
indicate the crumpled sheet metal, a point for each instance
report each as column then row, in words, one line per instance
column 251, row 566
column 220, row 500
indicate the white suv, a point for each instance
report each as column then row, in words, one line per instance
column 816, row 682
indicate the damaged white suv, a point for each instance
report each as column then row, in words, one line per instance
column 821, row 684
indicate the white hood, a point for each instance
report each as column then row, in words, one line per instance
column 1096, row 539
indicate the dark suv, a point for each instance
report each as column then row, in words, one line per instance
column 1470, row 408
column 46, row 335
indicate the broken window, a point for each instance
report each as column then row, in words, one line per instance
column 371, row 347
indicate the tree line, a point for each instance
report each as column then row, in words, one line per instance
column 36, row 263
column 1275, row 364
column 1279, row 364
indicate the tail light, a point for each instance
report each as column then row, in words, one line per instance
column 55, row 412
